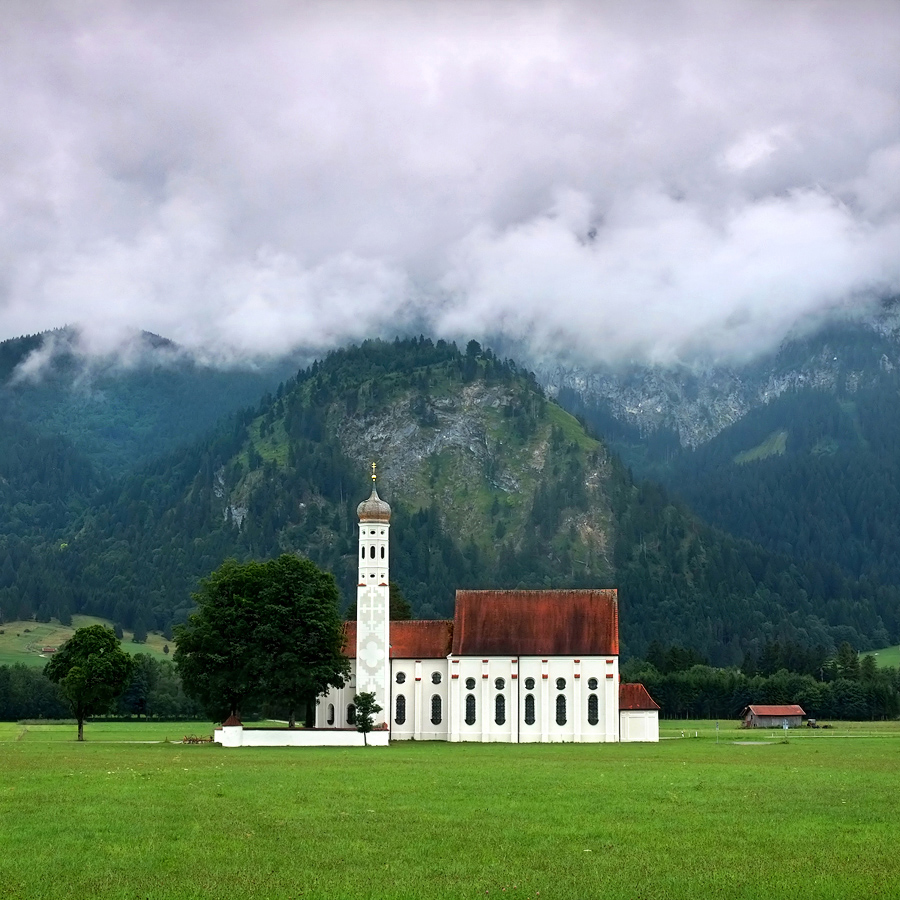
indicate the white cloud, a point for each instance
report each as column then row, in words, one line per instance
column 613, row 180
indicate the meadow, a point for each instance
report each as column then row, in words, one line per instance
column 811, row 814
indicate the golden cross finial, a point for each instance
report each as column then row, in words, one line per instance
column 374, row 476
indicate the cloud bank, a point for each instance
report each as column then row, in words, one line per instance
column 642, row 181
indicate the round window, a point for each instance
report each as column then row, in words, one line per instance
column 435, row 677
column 560, row 684
column 592, row 684
column 401, row 677
column 470, row 684
column 499, row 683
column 529, row 684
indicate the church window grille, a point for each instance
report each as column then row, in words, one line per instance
column 330, row 718
column 560, row 684
column 529, row 684
column 470, row 684
column 470, row 709
column 372, row 551
column 400, row 713
column 401, row 677
column 351, row 714
column 500, row 710
column 560, row 709
column 592, row 684
column 593, row 710
column 529, row 709
column 436, row 709
column 499, row 683
column 435, row 677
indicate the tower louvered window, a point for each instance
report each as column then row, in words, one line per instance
column 561, row 709
column 400, row 711
column 436, row 710
column 500, row 710
column 529, row 709
column 470, row 709
column 593, row 710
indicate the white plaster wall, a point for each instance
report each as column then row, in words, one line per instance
column 341, row 698
column 300, row 737
column 639, row 725
column 418, row 689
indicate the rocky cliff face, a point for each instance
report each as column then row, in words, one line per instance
column 697, row 403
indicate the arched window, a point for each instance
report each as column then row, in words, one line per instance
column 401, row 677
column 593, row 710
column 560, row 684
column 592, row 684
column 351, row 714
column 330, row 719
column 529, row 709
column 400, row 712
column 362, row 552
column 499, row 683
column 560, row 709
column 470, row 709
column 436, row 709
column 500, row 710
column 435, row 677
column 382, row 552
column 372, row 551
column 470, row 684
column 529, row 684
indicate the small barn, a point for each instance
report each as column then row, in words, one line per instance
column 758, row 716
column 638, row 714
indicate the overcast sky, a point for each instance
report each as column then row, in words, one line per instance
column 655, row 181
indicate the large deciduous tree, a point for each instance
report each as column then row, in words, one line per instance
column 92, row 670
column 266, row 632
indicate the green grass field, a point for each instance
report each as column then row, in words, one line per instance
column 21, row 642
column 813, row 817
column 774, row 445
column 887, row 656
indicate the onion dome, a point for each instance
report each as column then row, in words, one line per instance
column 374, row 509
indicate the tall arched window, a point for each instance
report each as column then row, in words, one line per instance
column 529, row 709
column 351, row 714
column 436, row 709
column 382, row 552
column 470, row 709
column 362, row 552
column 330, row 719
column 560, row 709
column 500, row 710
column 593, row 710
column 372, row 551
column 400, row 712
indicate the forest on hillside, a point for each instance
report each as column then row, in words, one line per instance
column 287, row 473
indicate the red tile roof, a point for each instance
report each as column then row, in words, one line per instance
column 792, row 710
column 411, row 639
column 536, row 623
column 231, row 721
column 635, row 696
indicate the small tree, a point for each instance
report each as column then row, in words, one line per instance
column 91, row 670
column 366, row 708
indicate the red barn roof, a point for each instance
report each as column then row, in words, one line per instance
column 536, row 623
column 635, row 696
column 410, row 639
column 792, row 710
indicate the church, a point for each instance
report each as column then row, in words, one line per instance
column 512, row 666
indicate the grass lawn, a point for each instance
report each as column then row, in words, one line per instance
column 813, row 817
column 887, row 656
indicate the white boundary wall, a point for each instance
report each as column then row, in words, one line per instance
column 237, row 736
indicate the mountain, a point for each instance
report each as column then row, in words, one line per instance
column 492, row 485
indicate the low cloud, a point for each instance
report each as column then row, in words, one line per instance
column 607, row 182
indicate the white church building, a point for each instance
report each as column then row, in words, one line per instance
column 512, row 666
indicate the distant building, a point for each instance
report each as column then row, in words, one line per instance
column 757, row 716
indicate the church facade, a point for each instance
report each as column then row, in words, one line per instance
column 512, row 666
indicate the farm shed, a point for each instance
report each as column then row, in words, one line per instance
column 758, row 716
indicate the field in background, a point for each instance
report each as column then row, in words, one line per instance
column 887, row 656
column 679, row 819
column 22, row 642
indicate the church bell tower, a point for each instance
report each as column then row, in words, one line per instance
column 373, row 640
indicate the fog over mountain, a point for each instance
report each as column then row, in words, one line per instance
column 641, row 181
